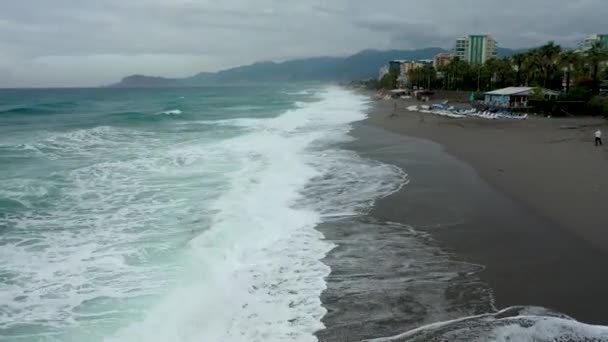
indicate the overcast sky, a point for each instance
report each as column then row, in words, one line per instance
column 96, row 42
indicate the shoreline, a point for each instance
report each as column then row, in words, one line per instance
column 532, row 161
column 557, row 259
column 503, row 251
column 387, row 274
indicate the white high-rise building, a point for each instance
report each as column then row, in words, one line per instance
column 586, row 43
column 460, row 48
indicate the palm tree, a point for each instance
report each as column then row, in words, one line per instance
column 455, row 71
column 412, row 76
column 505, row 73
column 445, row 71
column 460, row 70
column 422, row 76
column 490, row 68
column 430, row 74
column 518, row 62
column 549, row 58
column 476, row 70
column 568, row 59
column 532, row 64
column 581, row 67
column 595, row 56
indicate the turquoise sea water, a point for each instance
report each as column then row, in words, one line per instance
column 174, row 214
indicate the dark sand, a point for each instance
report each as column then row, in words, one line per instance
column 553, row 250
column 527, row 200
column 551, row 165
column 387, row 274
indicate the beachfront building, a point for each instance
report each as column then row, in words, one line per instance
column 412, row 65
column 586, row 43
column 395, row 66
column 442, row 59
column 402, row 68
column 383, row 71
column 514, row 97
column 475, row 49
column 460, row 48
column 423, row 62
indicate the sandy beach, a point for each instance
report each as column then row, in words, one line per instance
column 553, row 248
column 551, row 165
column 514, row 212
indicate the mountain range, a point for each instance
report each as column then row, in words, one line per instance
column 363, row 65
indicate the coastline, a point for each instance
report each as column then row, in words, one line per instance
column 476, row 209
column 388, row 275
column 542, row 163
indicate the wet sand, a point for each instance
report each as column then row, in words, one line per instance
column 551, row 165
column 388, row 273
column 523, row 200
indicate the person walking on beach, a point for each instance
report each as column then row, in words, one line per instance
column 394, row 114
column 598, row 138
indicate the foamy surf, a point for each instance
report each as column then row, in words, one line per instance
column 166, row 230
column 511, row 324
column 170, row 112
column 262, row 274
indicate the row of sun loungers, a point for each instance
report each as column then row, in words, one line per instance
column 452, row 112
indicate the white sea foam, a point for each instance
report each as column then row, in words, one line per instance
column 171, row 112
column 195, row 241
column 257, row 273
column 244, row 108
column 98, row 245
column 511, row 324
column 83, row 142
column 301, row 92
column 349, row 184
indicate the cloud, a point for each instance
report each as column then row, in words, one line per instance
column 69, row 42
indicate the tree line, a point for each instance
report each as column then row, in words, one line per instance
column 578, row 75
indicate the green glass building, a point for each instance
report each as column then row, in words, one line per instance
column 603, row 38
column 475, row 49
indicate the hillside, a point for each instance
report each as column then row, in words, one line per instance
column 362, row 65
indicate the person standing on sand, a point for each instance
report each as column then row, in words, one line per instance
column 598, row 138
column 394, row 114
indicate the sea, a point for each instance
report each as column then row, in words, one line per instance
column 175, row 214
column 214, row 214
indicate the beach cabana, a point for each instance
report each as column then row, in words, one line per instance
column 513, row 97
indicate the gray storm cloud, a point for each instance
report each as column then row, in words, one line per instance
column 89, row 43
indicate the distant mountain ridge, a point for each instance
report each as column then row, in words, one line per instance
column 363, row 65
